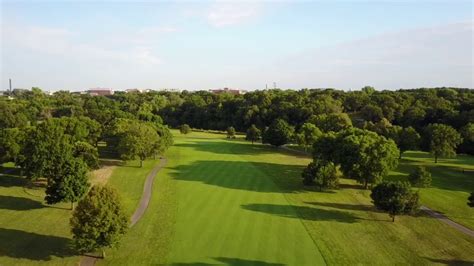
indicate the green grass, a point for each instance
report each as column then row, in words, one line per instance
column 453, row 181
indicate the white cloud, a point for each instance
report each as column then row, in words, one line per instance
column 222, row 14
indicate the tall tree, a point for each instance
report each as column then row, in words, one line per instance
column 253, row 134
column 139, row 140
column 443, row 140
column 69, row 183
column 230, row 132
column 406, row 138
column 278, row 133
column 99, row 221
column 395, row 198
column 308, row 134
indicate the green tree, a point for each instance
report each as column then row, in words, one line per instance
column 87, row 153
column 69, row 184
column 365, row 156
column 139, row 140
column 278, row 133
column 253, row 133
column 443, row 140
column 332, row 121
column 320, row 173
column 11, row 143
column 406, row 138
column 308, row 134
column 396, row 198
column 420, row 177
column 99, row 221
column 231, row 132
column 470, row 200
column 184, row 129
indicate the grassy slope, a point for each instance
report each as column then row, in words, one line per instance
column 32, row 233
column 453, row 180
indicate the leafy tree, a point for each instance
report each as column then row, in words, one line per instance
column 253, row 134
column 184, row 129
column 231, row 133
column 332, row 121
column 470, row 200
column 420, row 177
column 139, row 140
column 396, row 198
column 365, row 156
column 443, row 140
column 11, row 143
column 87, row 153
column 69, row 184
column 321, row 174
column 467, row 134
column 278, row 133
column 406, row 138
column 99, row 220
column 372, row 113
column 307, row 135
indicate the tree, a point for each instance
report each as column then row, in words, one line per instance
column 470, row 200
column 420, row 177
column 184, row 129
column 396, row 198
column 365, row 156
column 87, row 153
column 11, row 143
column 332, row 121
column 139, row 140
column 443, row 140
column 99, row 220
column 278, row 133
column 372, row 113
column 69, row 184
column 253, row 133
column 406, row 138
column 321, row 174
column 307, row 135
column 231, row 133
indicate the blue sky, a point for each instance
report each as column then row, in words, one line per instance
column 240, row 44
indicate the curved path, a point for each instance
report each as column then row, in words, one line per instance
column 142, row 206
column 446, row 220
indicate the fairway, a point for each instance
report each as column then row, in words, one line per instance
column 215, row 186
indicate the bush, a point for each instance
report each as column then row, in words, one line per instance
column 396, row 198
column 185, row 129
column 420, row 177
column 320, row 173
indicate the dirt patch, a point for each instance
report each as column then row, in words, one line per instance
column 102, row 175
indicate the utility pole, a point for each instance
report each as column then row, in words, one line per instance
column 10, row 80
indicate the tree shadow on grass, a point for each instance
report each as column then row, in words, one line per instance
column 451, row 261
column 303, row 212
column 12, row 181
column 344, row 206
column 32, row 246
column 251, row 176
column 18, row 203
column 237, row 261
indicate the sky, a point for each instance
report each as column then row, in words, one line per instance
column 194, row 45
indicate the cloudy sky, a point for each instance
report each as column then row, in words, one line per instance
column 240, row 44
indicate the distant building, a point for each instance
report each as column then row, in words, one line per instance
column 227, row 90
column 100, row 92
column 133, row 90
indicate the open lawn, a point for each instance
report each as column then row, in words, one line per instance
column 229, row 202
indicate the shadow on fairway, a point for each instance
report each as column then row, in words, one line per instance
column 251, row 176
column 451, row 262
column 236, row 261
column 228, row 147
column 303, row 212
column 11, row 181
column 344, row 206
column 32, row 246
column 18, row 203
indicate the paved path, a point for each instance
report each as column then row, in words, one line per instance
column 142, row 206
column 447, row 221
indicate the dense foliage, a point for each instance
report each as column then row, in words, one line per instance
column 420, row 177
column 396, row 198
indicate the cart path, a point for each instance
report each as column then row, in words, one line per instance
column 142, row 206
column 446, row 220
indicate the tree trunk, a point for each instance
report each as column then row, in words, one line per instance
column 103, row 253
column 366, row 184
column 400, row 156
column 141, row 163
column 72, row 205
column 393, row 218
column 436, row 158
